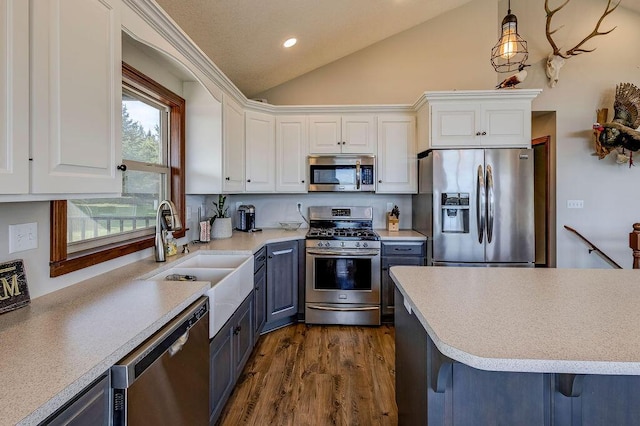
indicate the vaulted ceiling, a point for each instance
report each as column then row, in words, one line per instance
column 244, row 37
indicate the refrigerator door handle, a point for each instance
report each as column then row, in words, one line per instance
column 480, row 203
column 490, row 204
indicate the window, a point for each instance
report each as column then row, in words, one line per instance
column 89, row 231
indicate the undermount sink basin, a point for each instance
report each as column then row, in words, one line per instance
column 230, row 276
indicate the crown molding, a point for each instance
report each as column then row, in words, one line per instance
column 158, row 19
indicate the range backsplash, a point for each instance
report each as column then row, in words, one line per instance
column 274, row 208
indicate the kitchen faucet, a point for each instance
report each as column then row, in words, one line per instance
column 171, row 222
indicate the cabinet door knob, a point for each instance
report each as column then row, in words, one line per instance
column 344, row 143
column 249, row 180
column 339, row 142
column 122, row 167
column 227, row 178
column 478, row 133
column 380, row 181
column 484, row 133
column 302, row 181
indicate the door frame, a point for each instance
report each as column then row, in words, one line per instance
column 546, row 141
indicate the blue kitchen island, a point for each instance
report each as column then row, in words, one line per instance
column 517, row 346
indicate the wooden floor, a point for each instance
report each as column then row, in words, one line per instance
column 317, row 375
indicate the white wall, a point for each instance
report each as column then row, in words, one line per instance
column 587, row 83
column 445, row 53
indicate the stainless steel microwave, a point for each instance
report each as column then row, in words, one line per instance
column 338, row 173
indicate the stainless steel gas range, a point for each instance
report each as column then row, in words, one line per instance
column 342, row 267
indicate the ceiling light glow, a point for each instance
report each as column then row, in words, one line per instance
column 290, row 42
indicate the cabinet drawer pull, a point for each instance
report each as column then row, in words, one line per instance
column 122, row 167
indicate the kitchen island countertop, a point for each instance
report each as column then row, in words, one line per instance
column 578, row 321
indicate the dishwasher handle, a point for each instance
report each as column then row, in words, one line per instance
column 172, row 337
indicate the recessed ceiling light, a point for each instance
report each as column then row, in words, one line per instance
column 290, row 42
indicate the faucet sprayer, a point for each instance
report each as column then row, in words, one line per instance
column 164, row 223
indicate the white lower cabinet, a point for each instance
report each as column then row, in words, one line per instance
column 260, row 155
column 291, row 153
column 397, row 161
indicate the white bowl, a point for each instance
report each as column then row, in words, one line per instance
column 290, row 226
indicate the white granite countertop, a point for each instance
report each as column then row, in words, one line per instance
column 60, row 343
column 581, row 321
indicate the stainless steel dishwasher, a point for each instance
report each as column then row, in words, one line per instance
column 165, row 381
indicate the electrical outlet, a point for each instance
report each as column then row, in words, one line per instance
column 575, row 204
column 23, row 237
column 299, row 206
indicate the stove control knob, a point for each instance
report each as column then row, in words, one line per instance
column 365, row 245
column 342, row 244
column 320, row 244
column 358, row 244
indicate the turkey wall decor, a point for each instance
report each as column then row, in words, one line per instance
column 557, row 58
column 620, row 134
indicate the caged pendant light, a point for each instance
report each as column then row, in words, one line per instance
column 511, row 50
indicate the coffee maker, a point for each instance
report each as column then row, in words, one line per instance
column 246, row 220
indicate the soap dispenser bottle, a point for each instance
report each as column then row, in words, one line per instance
column 170, row 246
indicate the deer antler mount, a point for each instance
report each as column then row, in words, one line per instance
column 557, row 58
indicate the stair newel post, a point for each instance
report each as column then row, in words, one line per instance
column 634, row 244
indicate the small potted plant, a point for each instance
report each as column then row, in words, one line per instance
column 220, row 222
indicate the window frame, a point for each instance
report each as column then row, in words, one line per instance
column 61, row 262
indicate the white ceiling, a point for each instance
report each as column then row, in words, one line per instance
column 244, row 37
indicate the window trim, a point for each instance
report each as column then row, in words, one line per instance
column 60, row 261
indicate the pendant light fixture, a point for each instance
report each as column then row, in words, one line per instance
column 511, row 50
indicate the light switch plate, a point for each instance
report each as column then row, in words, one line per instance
column 23, row 237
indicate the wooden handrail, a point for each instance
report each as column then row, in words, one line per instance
column 592, row 248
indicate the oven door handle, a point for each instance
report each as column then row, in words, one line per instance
column 356, row 253
column 332, row 308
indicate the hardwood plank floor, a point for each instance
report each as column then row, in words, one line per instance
column 317, row 375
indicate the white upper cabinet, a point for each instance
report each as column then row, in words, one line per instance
column 203, row 149
column 479, row 118
column 232, row 146
column 342, row 134
column 14, row 93
column 76, row 96
column 260, row 146
column 291, row 153
column 397, row 156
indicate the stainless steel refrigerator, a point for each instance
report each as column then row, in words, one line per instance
column 477, row 206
